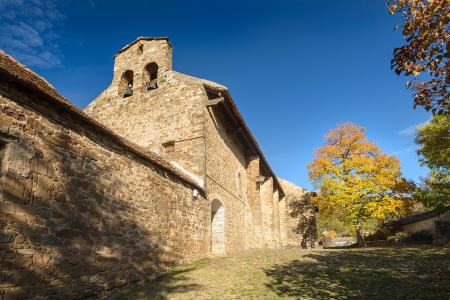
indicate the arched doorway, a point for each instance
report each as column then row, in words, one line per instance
column 217, row 227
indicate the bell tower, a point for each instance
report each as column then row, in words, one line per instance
column 141, row 65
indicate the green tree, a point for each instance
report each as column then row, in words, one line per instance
column 426, row 52
column 434, row 152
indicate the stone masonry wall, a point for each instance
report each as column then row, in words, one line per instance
column 254, row 229
column 276, row 218
column 177, row 121
column 224, row 161
column 267, row 222
column 172, row 113
column 82, row 214
column 299, row 218
column 284, row 215
column 176, row 112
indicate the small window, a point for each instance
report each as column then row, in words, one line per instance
column 169, row 146
column 140, row 49
column 2, row 155
column 151, row 76
column 126, row 84
column 239, row 185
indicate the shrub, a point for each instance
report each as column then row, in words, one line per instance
column 398, row 237
column 377, row 236
column 420, row 237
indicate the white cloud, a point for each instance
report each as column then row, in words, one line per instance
column 411, row 130
column 28, row 31
column 405, row 150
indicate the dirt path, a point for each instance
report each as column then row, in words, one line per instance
column 407, row 273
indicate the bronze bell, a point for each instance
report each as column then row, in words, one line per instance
column 153, row 84
column 128, row 92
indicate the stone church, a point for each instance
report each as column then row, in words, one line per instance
column 159, row 169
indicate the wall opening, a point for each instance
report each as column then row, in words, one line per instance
column 151, row 76
column 2, row 151
column 213, row 94
column 140, row 49
column 217, row 227
column 168, row 146
column 126, row 84
column 239, row 185
column 2, row 164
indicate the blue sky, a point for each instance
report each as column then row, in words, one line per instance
column 295, row 68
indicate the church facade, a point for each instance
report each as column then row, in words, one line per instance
column 160, row 168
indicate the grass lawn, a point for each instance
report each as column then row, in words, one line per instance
column 373, row 273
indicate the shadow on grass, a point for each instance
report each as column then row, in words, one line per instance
column 419, row 273
column 161, row 285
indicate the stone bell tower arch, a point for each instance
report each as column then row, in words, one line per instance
column 148, row 59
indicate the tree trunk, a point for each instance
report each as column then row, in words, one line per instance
column 360, row 240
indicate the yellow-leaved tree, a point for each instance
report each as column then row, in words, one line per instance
column 356, row 180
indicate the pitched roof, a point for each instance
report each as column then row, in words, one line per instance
column 143, row 38
column 230, row 102
column 423, row 216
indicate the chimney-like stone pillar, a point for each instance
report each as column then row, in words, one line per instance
column 266, row 193
column 254, row 233
column 276, row 218
column 135, row 58
column 283, row 225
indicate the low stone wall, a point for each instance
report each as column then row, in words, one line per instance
column 299, row 218
column 83, row 212
column 339, row 242
column 442, row 232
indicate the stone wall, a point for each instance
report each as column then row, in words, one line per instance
column 266, row 190
column 284, row 226
column 298, row 218
column 167, row 120
column 178, row 121
column 276, row 218
column 254, row 229
column 82, row 211
column 224, row 162
column 176, row 113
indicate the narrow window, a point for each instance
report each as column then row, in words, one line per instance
column 239, row 185
column 169, row 146
column 151, row 76
column 2, row 155
column 126, row 84
column 140, row 49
